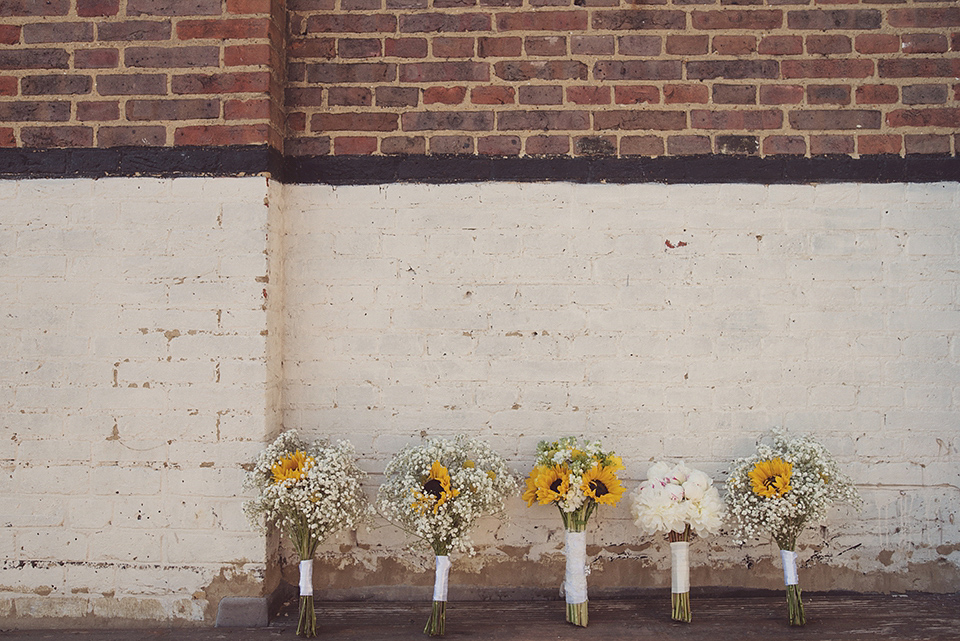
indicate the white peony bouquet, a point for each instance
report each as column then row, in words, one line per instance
column 309, row 492
column 679, row 501
column 779, row 490
column 437, row 491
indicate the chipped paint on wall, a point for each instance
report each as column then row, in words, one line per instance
column 144, row 367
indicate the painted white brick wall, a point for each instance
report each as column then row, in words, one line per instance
column 671, row 321
column 135, row 382
column 155, row 333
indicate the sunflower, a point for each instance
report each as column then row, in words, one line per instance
column 291, row 467
column 530, row 494
column 771, row 479
column 552, row 483
column 602, row 485
column 436, row 490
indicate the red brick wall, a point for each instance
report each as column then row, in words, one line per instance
column 650, row 77
column 497, row 77
column 107, row 73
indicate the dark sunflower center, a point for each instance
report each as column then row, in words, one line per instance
column 770, row 481
column 599, row 489
column 555, row 486
column 434, row 487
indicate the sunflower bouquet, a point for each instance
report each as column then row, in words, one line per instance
column 576, row 477
column 309, row 492
column 436, row 491
column 680, row 501
column 779, row 490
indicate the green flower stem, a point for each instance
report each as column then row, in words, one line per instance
column 795, row 611
column 577, row 614
column 576, row 521
column 307, row 622
column 681, row 607
column 795, row 606
column 436, row 624
column 306, row 544
column 787, row 539
column 680, row 601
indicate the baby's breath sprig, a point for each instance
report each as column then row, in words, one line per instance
column 308, row 492
column 436, row 491
column 815, row 483
column 779, row 490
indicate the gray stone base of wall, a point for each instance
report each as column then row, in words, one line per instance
column 252, row 611
column 243, row 612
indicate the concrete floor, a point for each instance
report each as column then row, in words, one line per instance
column 831, row 617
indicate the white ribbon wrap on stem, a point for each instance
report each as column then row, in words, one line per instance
column 441, row 580
column 306, row 578
column 680, row 567
column 789, row 560
column 575, row 580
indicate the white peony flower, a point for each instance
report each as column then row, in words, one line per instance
column 660, row 472
column 679, row 473
column 673, row 492
column 696, row 485
column 674, row 497
column 706, row 515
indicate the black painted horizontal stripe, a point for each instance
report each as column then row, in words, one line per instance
column 368, row 170
column 139, row 161
column 360, row 170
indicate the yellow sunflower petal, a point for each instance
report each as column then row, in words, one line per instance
column 771, row 479
column 552, row 484
column 616, row 463
column 291, row 467
column 436, row 490
column 602, row 485
column 530, row 494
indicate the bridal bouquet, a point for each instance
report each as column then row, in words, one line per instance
column 436, row 491
column 679, row 501
column 576, row 477
column 779, row 490
column 309, row 492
